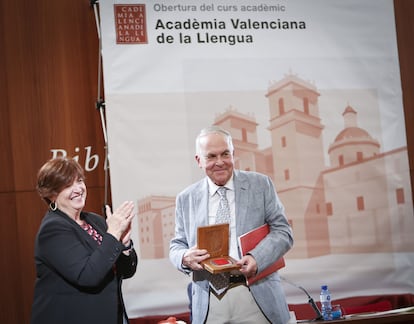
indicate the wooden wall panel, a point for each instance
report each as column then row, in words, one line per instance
column 6, row 161
column 10, row 308
column 29, row 212
column 404, row 14
column 52, row 100
column 48, row 87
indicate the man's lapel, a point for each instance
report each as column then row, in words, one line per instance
column 241, row 186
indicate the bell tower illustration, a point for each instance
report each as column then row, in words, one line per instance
column 298, row 160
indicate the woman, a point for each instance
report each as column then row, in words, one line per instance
column 80, row 257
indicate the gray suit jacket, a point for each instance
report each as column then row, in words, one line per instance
column 256, row 204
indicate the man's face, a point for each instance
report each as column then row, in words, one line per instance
column 216, row 158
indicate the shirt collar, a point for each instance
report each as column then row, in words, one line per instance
column 212, row 187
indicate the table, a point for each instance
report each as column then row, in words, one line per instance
column 404, row 315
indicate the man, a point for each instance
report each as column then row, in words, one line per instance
column 253, row 202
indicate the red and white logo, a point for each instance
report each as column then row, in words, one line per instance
column 130, row 24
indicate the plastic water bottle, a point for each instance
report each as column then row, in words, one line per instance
column 325, row 298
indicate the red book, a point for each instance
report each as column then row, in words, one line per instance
column 248, row 241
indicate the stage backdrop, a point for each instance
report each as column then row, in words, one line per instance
column 311, row 93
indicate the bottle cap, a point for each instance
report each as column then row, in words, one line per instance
column 324, row 287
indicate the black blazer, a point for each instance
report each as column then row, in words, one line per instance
column 78, row 281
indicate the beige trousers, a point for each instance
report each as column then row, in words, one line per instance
column 236, row 306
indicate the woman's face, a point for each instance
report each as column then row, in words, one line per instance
column 71, row 200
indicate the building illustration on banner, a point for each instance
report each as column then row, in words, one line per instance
column 360, row 203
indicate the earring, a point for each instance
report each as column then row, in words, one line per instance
column 53, row 206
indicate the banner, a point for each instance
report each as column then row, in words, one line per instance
column 310, row 91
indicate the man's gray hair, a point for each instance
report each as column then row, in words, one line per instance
column 214, row 129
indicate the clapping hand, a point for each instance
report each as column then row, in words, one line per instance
column 119, row 222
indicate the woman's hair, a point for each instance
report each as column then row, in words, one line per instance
column 57, row 174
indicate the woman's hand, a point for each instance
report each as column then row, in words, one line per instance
column 119, row 222
column 126, row 237
column 126, row 240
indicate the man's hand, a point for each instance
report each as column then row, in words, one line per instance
column 193, row 257
column 248, row 266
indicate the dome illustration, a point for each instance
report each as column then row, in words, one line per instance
column 352, row 144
